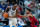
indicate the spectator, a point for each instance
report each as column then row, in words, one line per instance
column 32, row 5
column 3, row 6
column 1, row 17
column 38, row 12
column 8, row 4
column 27, row 2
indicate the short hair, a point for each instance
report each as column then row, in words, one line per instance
column 28, row 9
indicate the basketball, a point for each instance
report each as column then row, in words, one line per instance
column 5, row 15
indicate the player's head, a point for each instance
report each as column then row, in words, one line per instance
column 14, row 7
column 28, row 10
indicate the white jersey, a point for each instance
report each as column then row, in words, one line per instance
column 12, row 12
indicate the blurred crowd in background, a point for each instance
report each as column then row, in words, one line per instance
column 34, row 5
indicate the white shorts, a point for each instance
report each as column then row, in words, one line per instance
column 12, row 21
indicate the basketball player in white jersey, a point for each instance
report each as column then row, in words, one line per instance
column 13, row 14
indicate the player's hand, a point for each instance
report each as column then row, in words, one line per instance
column 25, row 16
